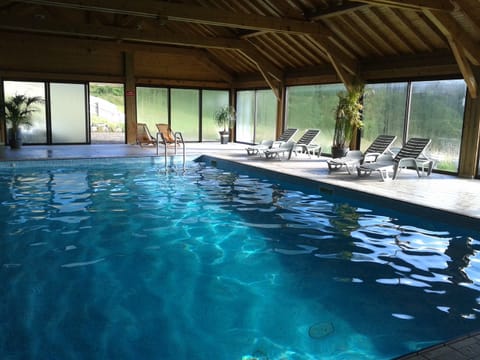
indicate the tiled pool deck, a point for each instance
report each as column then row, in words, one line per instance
column 437, row 192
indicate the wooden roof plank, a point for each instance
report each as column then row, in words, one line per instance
column 212, row 62
column 412, row 31
column 440, row 5
column 392, row 27
column 333, row 52
column 368, row 27
column 450, row 28
column 189, row 13
column 343, row 8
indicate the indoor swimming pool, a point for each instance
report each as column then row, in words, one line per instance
column 124, row 260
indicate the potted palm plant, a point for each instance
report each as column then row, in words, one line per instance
column 348, row 118
column 18, row 113
column 223, row 117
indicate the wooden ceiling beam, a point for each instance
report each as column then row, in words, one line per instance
column 439, row 5
column 452, row 31
column 160, row 36
column 345, row 67
column 190, row 13
column 465, row 68
column 332, row 50
column 271, row 74
column 335, row 11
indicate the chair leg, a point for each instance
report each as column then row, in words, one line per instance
column 384, row 174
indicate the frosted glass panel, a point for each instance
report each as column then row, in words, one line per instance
column 152, row 107
column 245, row 129
column 212, row 100
column 185, row 112
column 67, row 106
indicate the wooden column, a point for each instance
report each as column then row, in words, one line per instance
column 232, row 100
column 470, row 139
column 3, row 141
column 130, row 98
column 281, row 104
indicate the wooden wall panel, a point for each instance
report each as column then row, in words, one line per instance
column 43, row 56
column 173, row 66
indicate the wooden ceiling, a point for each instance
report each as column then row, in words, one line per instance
column 281, row 40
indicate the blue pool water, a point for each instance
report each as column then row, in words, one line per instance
column 131, row 262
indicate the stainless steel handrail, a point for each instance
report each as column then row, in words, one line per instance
column 178, row 140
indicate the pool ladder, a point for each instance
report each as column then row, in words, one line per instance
column 178, row 142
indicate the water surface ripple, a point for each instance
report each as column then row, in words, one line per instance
column 132, row 262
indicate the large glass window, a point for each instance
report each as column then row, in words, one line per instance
column 266, row 115
column 256, row 116
column 437, row 111
column 152, row 107
column 384, row 112
column 313, row 107
column 107, row 113
column 212, row 100
column 185, row 113
column 245, row 127
column 37, row 133
column 68, row 113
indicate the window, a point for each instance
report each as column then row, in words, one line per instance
column 266, row 115
column 152, row 107
column 256, row 116
column 245, row 127
column 212, row 100
column 107, row 113
column 383, row 112
column 68, row 113
column 437, row 110
column 313, row 107
column 185, row 112
column 37, row 133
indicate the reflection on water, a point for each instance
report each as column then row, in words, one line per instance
column 131, row 262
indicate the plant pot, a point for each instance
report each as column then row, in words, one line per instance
column 338, row 152
column 224, row 137
column 15, row 138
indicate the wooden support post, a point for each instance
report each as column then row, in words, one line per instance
column 468, row 166
column 233, row 102
column 281, row 104
column 130, row 98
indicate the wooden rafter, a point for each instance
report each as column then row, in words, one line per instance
column 345, row 67
column 341, row 57
column 410, row 27
column 160, row 36
column 335, row 11
column 451, row 30
column 465, row 68
column 439, row 5
column 373, row 34
column 272, row 75
column 392, row 27
column 464, row 48
column 189, row 13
